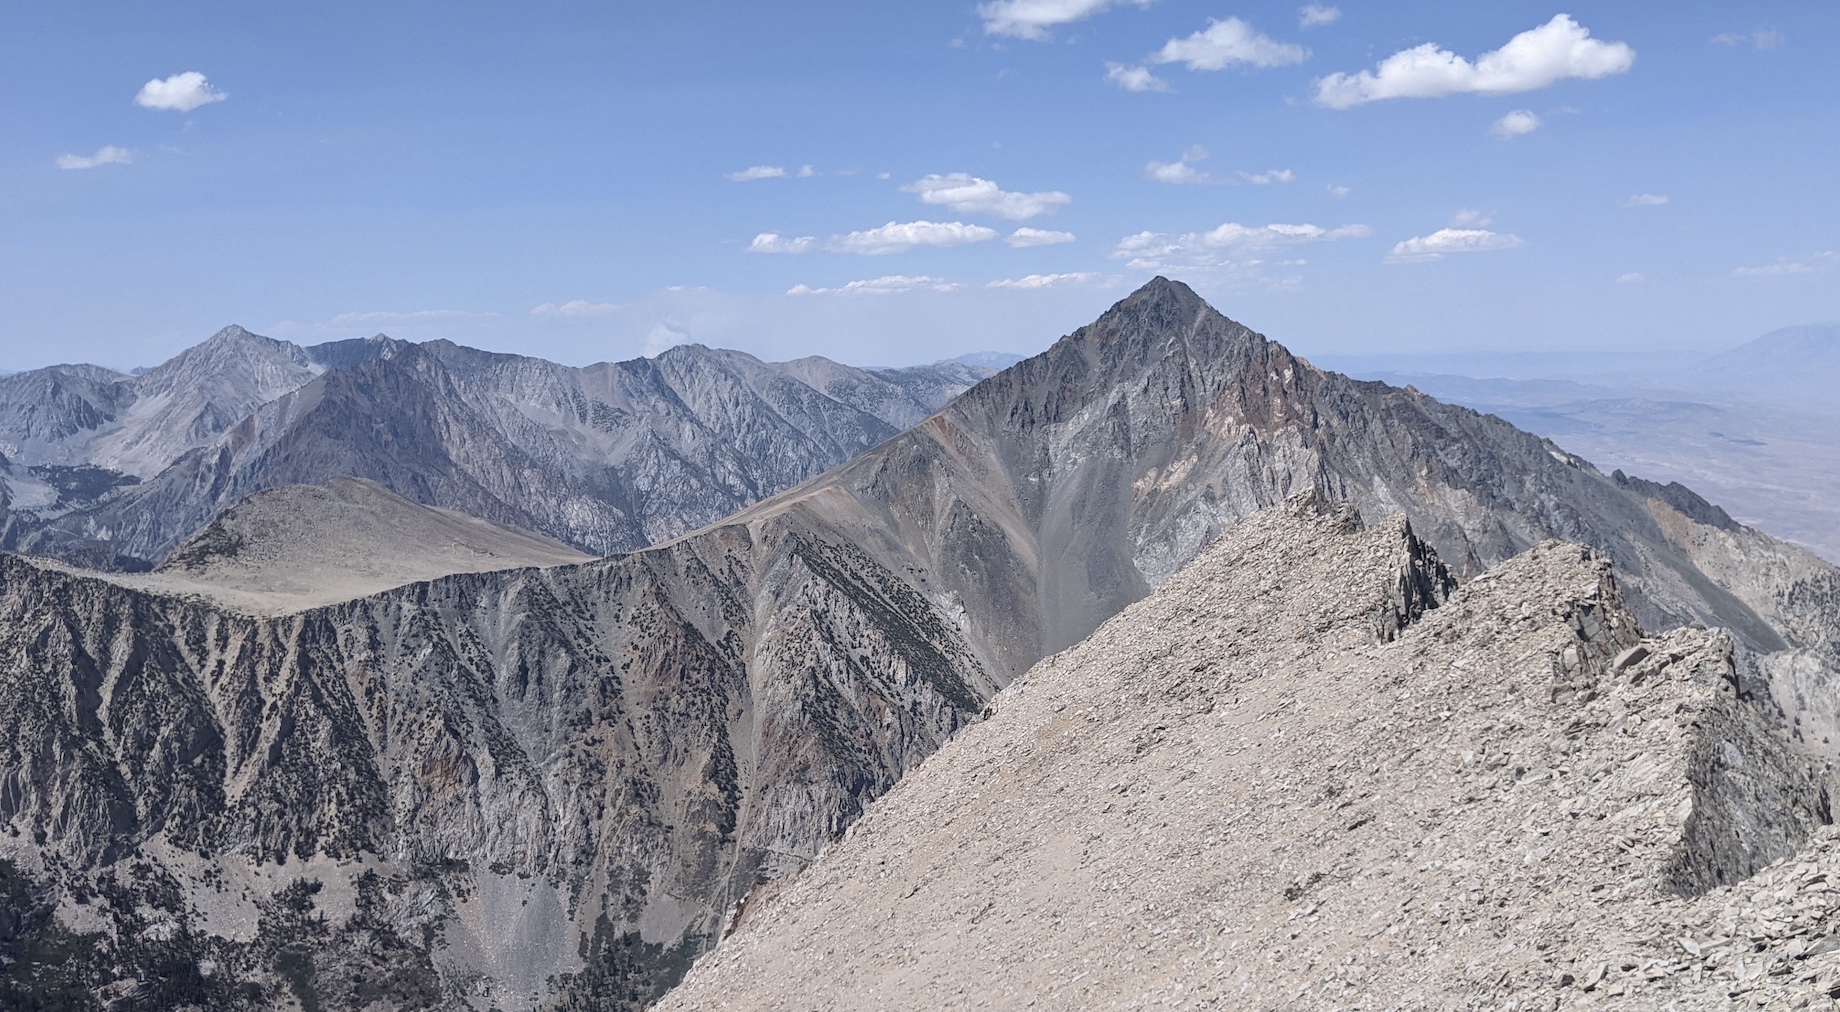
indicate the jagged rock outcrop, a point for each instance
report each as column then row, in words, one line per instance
column 1242, row 793
column 113, row 468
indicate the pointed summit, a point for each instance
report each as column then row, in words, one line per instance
column 1162, row 291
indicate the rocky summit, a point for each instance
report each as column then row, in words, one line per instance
column 555, row 784
column 1305, row 774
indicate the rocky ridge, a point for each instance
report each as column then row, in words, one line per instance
column 1278, row 783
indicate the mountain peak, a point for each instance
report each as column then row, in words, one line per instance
column 233, row 333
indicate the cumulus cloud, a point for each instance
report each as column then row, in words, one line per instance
column 806, row 172
column 1045, row 280
column 890, row 284
column 109, row 155
column 178, row 93
column 1134, row 78
column 754, row 172
column 773, row 242
column 1316, row 16
column 1182, row 170
column 899, row 237
column 575, row 307
column 1632, row 278
column 1025, row 237
column 967, row 194
column 1338, row 190
column 1759, row 40
column 1223, row 44
column 1518, row 123
column 1786, row 266
column 1031, row 19
column 1534, row 59
column 1470, row 219
column 1269, row 177
column 1644, row 200
column 1225, row 246
column 1425, row 248
column 894, row 237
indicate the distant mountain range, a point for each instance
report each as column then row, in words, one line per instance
column 113, row 470
column 554, row 787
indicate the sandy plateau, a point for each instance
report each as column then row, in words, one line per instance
column 303, row 546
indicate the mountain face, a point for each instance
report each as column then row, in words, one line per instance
column 1049, row 497
column 552, row 788
column 531, row 788
column 1324, row 792
column 113, row 470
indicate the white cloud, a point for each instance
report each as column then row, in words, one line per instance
column 1225, row 43
column 967, row 194
column 1644, row 200
column 1181, row 170
column 806, row 172
column 1536, row 58
column 178, row 93
column 110, row 155
column 1025, row 237
column 894, row 237
column 1786, row 266
column 1759, row 40
column 754, row 172
column 665, row 335
column 1134, row 78
column 1338, row 190
column 1518, row 123
column 1470, row 219
column 1269, row 177
column 1221, row 246
column 773, row 242
column 1031, row 19
column 899, row 237
column 1045, row 280
column 1316, row 16
column 1424, row 248
column 891, row 284
column 1632, row 278
column 575, row 307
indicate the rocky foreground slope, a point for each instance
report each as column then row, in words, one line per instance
column 1299, row 777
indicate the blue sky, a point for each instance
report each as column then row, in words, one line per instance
column 555, row 178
